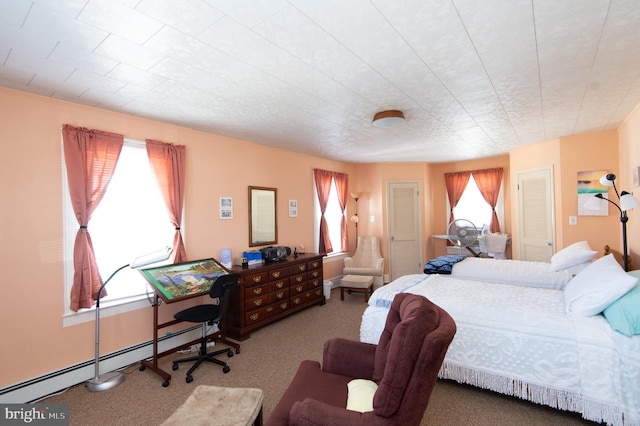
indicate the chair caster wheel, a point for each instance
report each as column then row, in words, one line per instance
column 174, row 367
column 238, row 350
column 189, row 379
column 165, row 383
column 230, row 353
column 226, row 369
column 142, row 368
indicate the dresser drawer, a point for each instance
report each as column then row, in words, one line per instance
column 301, row 267
column 278, row 296
column 277, row 274
column 255, row 279
column 296, row 289
column 257, row 302
column 316, row 273
column 297, row 279
column 314, row 264
column 279, row 285
column 256, row 291
column 266, row 312
column 306, row 297
column 315, row 283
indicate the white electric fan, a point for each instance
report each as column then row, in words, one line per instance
column 463, row 234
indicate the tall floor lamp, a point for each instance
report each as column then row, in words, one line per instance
column 626, row 202
column 354, row 218
column 112, row 379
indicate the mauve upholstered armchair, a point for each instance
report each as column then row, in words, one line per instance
column 404, row 364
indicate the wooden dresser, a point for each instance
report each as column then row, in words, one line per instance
column 272, row 291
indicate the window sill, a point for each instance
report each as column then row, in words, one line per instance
column 107, row 309
column 335, row 257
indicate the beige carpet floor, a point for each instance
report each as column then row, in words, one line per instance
column 269, row 359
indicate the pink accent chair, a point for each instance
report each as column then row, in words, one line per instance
column 405, row 364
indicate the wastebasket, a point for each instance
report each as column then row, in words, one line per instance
column 327, row 289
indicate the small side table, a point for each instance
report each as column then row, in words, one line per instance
column 357, row 282
column 209, row 405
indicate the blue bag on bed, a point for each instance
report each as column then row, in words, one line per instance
column 443, row 264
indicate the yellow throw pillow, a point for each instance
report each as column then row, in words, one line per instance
column 360, row 395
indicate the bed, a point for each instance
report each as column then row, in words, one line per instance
column 556, row 274
column 520, row 341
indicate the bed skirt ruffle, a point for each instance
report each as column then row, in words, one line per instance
column 562, row 400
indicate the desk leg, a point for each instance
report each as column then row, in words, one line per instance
column 153, row 364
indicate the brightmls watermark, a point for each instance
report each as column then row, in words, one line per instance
column 34, row 414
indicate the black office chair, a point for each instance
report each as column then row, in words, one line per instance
column 210, row 314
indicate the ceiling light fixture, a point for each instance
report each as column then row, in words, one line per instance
column 391, row 118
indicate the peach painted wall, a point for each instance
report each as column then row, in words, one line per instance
column 629, row 157
column 586, row 152
column 528, row 158
column 438, row 198
column 568, row 156
column 31, row 208
column 372, row 180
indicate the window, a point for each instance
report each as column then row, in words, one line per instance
column 131, row 220
column 333, row 215
column 473, row 207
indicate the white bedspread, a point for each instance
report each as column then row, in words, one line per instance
column 514, row 272
column 519, row 341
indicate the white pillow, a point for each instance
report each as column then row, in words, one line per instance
column 360, row 395
column 572, row 255
column 596, row 287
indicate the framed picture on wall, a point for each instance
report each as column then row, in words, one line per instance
column 588, row 186
column 226, row 208
column 293, row 208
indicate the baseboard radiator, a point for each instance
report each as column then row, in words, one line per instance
column 47, row 384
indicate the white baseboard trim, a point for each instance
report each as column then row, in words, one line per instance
column 335, row 281
column 47, row 384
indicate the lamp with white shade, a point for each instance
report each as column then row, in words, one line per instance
column 626, row 201
column 114, row 378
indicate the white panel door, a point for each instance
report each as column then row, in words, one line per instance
column 405, row 237
column 536, row 239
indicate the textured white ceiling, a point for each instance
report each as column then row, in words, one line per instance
column 473, row 78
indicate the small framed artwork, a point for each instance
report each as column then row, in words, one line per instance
column 636, row 177
column 226, row 208
column 588, row 186
column 293, row 208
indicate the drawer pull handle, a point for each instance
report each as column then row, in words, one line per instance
column 257, row 279
column 299, row 279
column 257, row 290
column 254, row 317
column 299, row 288
column 275, row 274
column 280, row 294
column 280, row 284
column 296, row 300
column 315, row 274
column 257, row 302
column 314, row 264
column 283, row 306
column 302, row 268
column 270, row 308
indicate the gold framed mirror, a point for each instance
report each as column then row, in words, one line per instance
column 263, row 224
